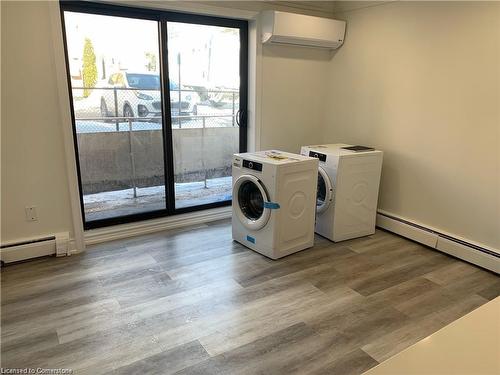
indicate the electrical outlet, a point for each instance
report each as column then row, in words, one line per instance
column 31, row 213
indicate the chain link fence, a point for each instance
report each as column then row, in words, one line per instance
column 124, row 109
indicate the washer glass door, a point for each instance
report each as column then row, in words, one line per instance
column 251, row 196
column 324, row 191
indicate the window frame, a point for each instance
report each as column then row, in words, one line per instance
column 162, row 17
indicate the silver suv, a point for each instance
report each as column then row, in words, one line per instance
column 138, row 95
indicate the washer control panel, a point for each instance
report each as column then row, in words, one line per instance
column 318, row 155
column 252, row 165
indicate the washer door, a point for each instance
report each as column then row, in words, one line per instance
column 249, row 203
column 324, row 193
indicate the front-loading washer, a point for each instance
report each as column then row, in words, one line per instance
column 347, row 193
column 273, row 205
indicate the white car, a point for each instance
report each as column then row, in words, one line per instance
column 188, row 103
column 131, row 94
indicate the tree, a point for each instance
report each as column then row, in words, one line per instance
column 89, row 74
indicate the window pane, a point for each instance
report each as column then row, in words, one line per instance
column 204, row 99
column 115, row 78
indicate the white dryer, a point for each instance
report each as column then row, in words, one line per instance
column 347, row 195
column 274, row 195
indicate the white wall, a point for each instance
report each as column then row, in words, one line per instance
column 421, row 81
column 293, row 96
column 33, row 158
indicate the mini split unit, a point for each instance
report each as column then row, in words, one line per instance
column 297, row 29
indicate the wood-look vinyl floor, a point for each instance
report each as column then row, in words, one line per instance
column 191, row 301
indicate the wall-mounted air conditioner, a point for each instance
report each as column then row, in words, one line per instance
column 297, row 29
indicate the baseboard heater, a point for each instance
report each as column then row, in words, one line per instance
column 57, row 244
column 457, row 247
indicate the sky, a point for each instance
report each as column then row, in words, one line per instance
column 126, row 41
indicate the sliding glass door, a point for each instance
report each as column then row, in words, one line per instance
column 115, row 83
column 158, row 104
column 204, row 100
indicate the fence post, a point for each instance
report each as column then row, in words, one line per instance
column 203, row 152
column 180, row 101
column 132, row 159
column 115, row 95
column 233, row 109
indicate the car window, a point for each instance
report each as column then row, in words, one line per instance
column 174, row 86
column 143, row 81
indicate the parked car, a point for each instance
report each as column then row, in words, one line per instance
column 189, row 100
column 223, row 98
column 139, row 95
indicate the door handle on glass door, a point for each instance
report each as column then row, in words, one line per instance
column 240, row 118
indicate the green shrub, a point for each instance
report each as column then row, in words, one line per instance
column 89, row 73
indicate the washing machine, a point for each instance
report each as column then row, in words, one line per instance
column 348, row 185
column 274, row 195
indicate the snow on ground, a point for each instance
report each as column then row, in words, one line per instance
column 122, row 202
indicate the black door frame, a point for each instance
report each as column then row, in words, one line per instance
column 162, row 17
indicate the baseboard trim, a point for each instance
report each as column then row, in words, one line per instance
column 403, row 228
column 95, row 236
column 469, row 254
column 479, row 255
column 28, row 250
column 34, row 248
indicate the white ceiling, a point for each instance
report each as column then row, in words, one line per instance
column 347, row 6
column 331, row 6
column 320, row 8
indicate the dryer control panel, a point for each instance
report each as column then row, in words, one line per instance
column 252, row 165
column 318, row 155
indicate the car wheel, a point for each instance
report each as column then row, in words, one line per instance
column 127, row 111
